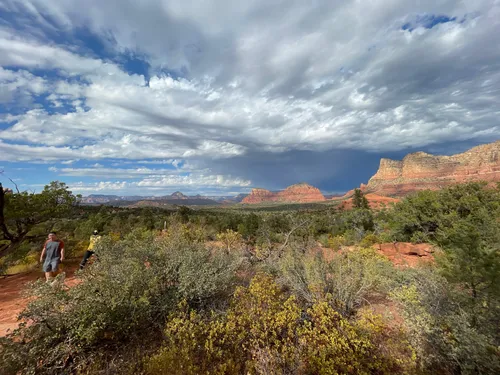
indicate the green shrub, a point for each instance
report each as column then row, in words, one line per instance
column 348, row 280
column 232, row 240
column 323, row 239
column 125, row 295
column 369, row 240
column 441, row 330
column 336, row 242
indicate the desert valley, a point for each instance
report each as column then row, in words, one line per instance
column 254, row 187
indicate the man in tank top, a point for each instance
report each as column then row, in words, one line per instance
column 53, row 250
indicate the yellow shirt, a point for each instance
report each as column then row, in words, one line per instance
column 93, row 241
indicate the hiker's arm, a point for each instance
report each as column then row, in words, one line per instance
column 62, row 251
column 43, row 253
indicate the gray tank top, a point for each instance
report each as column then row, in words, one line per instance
column 53, row 250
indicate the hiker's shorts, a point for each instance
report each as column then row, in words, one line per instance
column 51, row 265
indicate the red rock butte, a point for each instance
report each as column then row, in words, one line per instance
column 298, row 193
column 421, row 171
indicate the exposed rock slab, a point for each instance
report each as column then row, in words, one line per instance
column 405, row 254
column 375, row 201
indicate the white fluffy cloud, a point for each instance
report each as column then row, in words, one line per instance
column 256, row 76
column 194, row 181
column 102, row 186
column 100, row 171
column 159, row 185
column 149, row 180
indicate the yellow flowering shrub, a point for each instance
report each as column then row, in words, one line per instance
column 264, row 331
column 230, row 239
column 336, row 242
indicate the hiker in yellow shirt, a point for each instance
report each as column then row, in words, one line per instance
column 94, row 238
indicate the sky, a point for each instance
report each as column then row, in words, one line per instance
column 148, row 97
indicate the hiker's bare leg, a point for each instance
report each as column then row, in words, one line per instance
column 48, row 275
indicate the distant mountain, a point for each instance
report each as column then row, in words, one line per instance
column 176, row 202
column 99, row 199
column 176, row 198
column 173, row 198
column 179, row 195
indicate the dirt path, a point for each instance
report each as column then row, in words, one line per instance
column 11, row 299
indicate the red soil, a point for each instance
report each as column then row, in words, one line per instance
column 11, row 300
column 374, row 200
column 401, row 254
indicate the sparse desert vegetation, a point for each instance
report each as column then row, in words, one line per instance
column 238, row 291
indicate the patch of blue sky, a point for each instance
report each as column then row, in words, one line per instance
column 42, row 25
column 21, row 142
column 80, row 40
column 4, row 126
column 17, row 107
column 134, row 64
column 427, row 21
column 178, row 163
column 58, row 106
column 134, row 164
column 150, row 163
column 24, row 174
column 48, row 74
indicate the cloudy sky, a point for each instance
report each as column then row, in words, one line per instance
column 216, row 97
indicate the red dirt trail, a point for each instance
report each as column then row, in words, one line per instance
column 11, row 300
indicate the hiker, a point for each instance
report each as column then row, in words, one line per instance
column 53, row 250
column 90, row 250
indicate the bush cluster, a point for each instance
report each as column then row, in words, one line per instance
column 270, row 292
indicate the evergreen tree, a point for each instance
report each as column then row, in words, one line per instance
column 359, row 200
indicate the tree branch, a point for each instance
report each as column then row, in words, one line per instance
column 17, row 189
column 3, row 227
column 287, row 236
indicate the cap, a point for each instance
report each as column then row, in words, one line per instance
column 95, row 232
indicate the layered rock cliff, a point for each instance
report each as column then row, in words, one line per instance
column 419, row 171
column 259, row 195
column 299, row 193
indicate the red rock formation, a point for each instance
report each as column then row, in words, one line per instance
column 405, row 254
column 299, row 193
column 420, row 171
column 302, row 193
column 259, row 196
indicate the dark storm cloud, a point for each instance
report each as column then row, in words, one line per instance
column 274, row 92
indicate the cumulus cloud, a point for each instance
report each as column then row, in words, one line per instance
column 158, row 180
column 106, row 186
column 158, row 185
column 231, row 79
column 194, row 180
column 115, row 172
